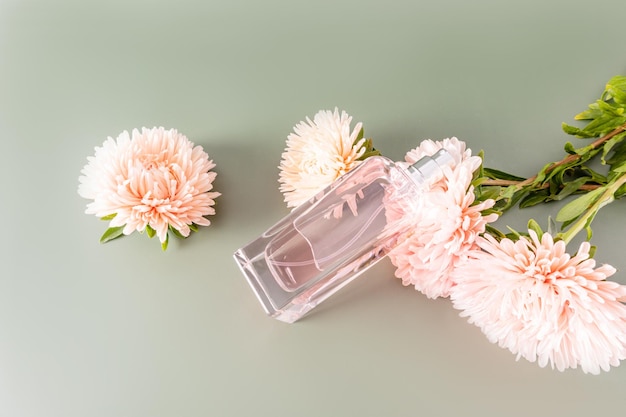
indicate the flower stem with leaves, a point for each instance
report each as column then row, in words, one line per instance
column 572, row 175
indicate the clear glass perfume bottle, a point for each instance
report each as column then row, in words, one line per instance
column 325, row 243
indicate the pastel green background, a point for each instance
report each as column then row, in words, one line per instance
column 123, row 329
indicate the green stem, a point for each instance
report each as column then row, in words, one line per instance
column 585, row 220
column 566, row 160
column 506, row 183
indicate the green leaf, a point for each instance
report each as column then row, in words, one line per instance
column 610, row 144
column 150, row 231
column 588, row 224
column 567, row 223
column 494, row 232
column 569, row 148
column 509, row 198
column 193, row 227
column 621, row 168
column 112, row 233
column 176, row 232
column 373, row 152
column 592, row 251
column 547, row 172
column 604, row 125
column 500, row 175
column 555, row 176
column 618, row 80
column 486, row 193
column 359, row 136
column 533, row 225
column 592, row 113
column 477, row 181
column 164, row 244
column 575, row 131
column 514, row 234
column 620, row 192
column 576, row 207
column 594, row 177
column 588, row 221
column 570, row 188
column 369, row 147
column 109, row 216
column 534, row 198
column 610, row 108
column 616, row 89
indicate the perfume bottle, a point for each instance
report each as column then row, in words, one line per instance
column 328, row 241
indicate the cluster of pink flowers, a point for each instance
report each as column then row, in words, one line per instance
column 529, row 296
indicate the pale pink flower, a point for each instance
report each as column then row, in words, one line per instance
column 542, row 304
column 445, row 224
column 317, row 153
column 155, row 178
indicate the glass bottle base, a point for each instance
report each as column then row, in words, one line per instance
column 288, row 305
column 277, row 303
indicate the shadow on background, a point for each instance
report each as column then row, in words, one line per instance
column 247, row 178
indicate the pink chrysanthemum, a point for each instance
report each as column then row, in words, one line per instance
column 317, row 153
column 446, row 224
column 542, row 304
column 155, row 179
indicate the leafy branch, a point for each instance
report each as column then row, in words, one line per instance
column 606, row 123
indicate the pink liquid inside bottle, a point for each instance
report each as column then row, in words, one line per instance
column 328, row 241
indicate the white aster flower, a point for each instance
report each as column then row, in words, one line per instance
column 317, row 153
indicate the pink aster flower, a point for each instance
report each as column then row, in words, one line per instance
column 317, row 153
column 446, row 223
column 542, row 304
column 154, row 180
